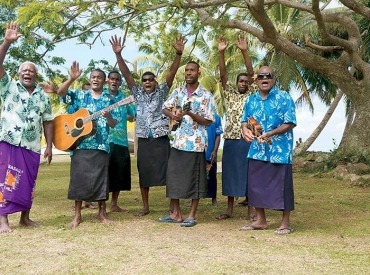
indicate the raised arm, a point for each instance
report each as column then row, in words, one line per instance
column 117, row 49
column 242, row 44
column 74, row 73
column 11, row 35
column 222, row 45
column 179, row 47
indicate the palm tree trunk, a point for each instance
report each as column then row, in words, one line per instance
column 350, row 117
column 302, row 148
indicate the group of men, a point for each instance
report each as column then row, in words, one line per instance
column 248, row 157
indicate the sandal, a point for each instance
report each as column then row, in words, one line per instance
column 284, row 231
column 188, row 222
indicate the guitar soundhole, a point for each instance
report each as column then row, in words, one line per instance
column 79, row 123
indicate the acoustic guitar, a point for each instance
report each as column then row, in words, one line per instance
column 71, row 129
column 256, row 129
column 174, row 124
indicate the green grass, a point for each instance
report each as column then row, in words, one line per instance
column 331, row 221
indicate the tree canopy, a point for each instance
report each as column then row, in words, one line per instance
column 330, row 42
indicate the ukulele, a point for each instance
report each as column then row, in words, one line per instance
column 174, row 124
column 256, row 129
column 71, row 129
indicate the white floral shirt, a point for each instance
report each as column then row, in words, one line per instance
column 22, row 115
column 191, row 136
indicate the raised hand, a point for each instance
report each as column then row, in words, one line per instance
column 179, row 44
column 75, row 70
column 47, row 87
column 116, row 43
column 222, row 44
column 11, row 32
column 242, row 42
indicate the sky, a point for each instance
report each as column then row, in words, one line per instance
column 306, row 121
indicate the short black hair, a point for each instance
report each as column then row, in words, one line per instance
column 115, row 72
column 239, row 75
column 196, row 63
column 148, row 73
column 100, row 71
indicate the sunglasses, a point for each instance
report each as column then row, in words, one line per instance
column 147, row 79
column 263, row 75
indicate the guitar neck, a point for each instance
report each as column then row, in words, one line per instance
column 122, row 102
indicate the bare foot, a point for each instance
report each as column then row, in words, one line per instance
column 75, row 222
column 243, row 203
column 252, row 214
column 252, row 218
column 105, row 220
column 4, row 225
column 90, row 205
column 254, row 226
column 214, row 202
column 142, row 212
column 116, row 208
column 28, row 223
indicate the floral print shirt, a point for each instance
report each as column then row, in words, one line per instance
column 22, row 115
column 150, row 121
column 234, row 110
column 213, row 130
column 191, row 136
column 276, row 109
column 84, row 99
column 118, row 134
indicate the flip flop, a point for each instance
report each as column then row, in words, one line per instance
column 251, row 227
column 188, row 222
column 223, row 217
column 168, row 219
column 284, row 231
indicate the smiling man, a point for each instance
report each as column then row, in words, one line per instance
column 270, row 179
column 26, row 111
column 90, row 160
column 119, row 156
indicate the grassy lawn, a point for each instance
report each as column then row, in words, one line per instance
column 331, row 221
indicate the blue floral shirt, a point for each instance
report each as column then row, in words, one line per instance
column 276, row 109
column 191, row 136
column 83, row 99
column 150, row 121
column 213, row 130
column 22, row 114
column 118, row 134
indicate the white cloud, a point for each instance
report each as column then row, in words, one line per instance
column 307, row 123
column 71, row 51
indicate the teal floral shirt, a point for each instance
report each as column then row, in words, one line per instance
column 276, row 109
column 191, row 136
column 22, row 115
column 118, row 134
column 83, row 99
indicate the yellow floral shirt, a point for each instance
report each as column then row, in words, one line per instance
column 234, row 110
